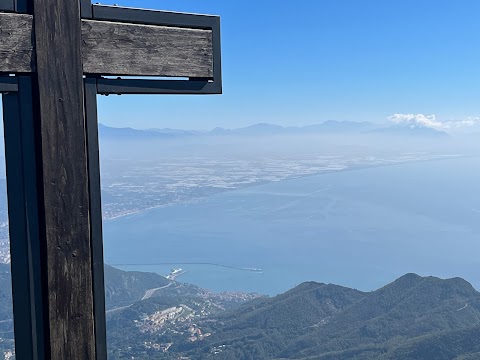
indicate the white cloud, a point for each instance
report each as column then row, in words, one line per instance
column 416, row 120
column 470, row 121
column 431, row 121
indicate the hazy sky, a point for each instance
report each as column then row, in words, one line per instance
column 303, row 62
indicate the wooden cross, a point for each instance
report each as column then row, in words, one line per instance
column 55, row 57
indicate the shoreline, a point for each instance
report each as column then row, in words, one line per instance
column 239, row 268
column 292, row 177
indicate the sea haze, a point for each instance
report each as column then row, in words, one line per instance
column 359, row 228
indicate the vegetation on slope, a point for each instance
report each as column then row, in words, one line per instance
column 413, row 317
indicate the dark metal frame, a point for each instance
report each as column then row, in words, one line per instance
column 19, row 6
column 8, row 84
column 140, row 86
column 7, row 5
column 91, row 124
column 86, row 9
column 23, row 185
column 23, row 216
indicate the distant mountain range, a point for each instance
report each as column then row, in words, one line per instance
column 412, row 318
column 328, row 127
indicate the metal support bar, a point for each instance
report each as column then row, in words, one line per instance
column 8, row 84
column 23, row 6
column 153, row 17
column 139, row 86
column 24, row 222
column 95, row 217
column 19, row 6
column 7, row 5
column 86, row 9
column 217, row 54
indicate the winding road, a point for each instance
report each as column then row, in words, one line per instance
column 149, row 293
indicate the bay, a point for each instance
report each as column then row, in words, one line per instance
column 360, row 228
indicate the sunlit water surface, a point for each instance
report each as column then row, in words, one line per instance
column 359, row 228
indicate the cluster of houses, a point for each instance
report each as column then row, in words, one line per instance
column 218, row 349
column 156, row 321
column 4, row 252
column 9, row 355
column 158, row 347
column 196, row 333
column 159, row 321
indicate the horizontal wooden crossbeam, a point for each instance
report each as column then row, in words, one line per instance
column 116, row 48
column 16, row 43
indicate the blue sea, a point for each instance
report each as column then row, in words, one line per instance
column 361, row 228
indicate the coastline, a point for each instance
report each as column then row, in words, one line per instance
column 250, row 269
column 292, row 177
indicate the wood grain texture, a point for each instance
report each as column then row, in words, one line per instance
column 146, row 50
column 16, row 45
column 68, row 301
column 111, row 48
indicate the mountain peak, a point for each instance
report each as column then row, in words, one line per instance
column 409, row 278
column 321, row 321
column 411, row 131
column 263, row 129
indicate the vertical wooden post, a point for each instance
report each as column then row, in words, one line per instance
column 64, row 199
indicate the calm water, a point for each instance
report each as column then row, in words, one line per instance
column 359, row 228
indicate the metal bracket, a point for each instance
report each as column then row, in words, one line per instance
column 140, row 86
column 86, row 9
column 18, row 6
column 8, row 84
column 7, row 5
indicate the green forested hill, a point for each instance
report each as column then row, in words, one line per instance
column 121, row 287
column 124, row 287
column 412, row 318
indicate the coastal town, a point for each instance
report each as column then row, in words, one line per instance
column 176, row 313
column 160, row 320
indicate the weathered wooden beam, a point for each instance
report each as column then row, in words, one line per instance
column 111, row 48
column 132, row 49
column 64, row 200
column 16, row 44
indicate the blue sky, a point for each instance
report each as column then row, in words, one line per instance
column 304, row 62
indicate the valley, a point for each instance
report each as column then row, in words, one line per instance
column 413, row 317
